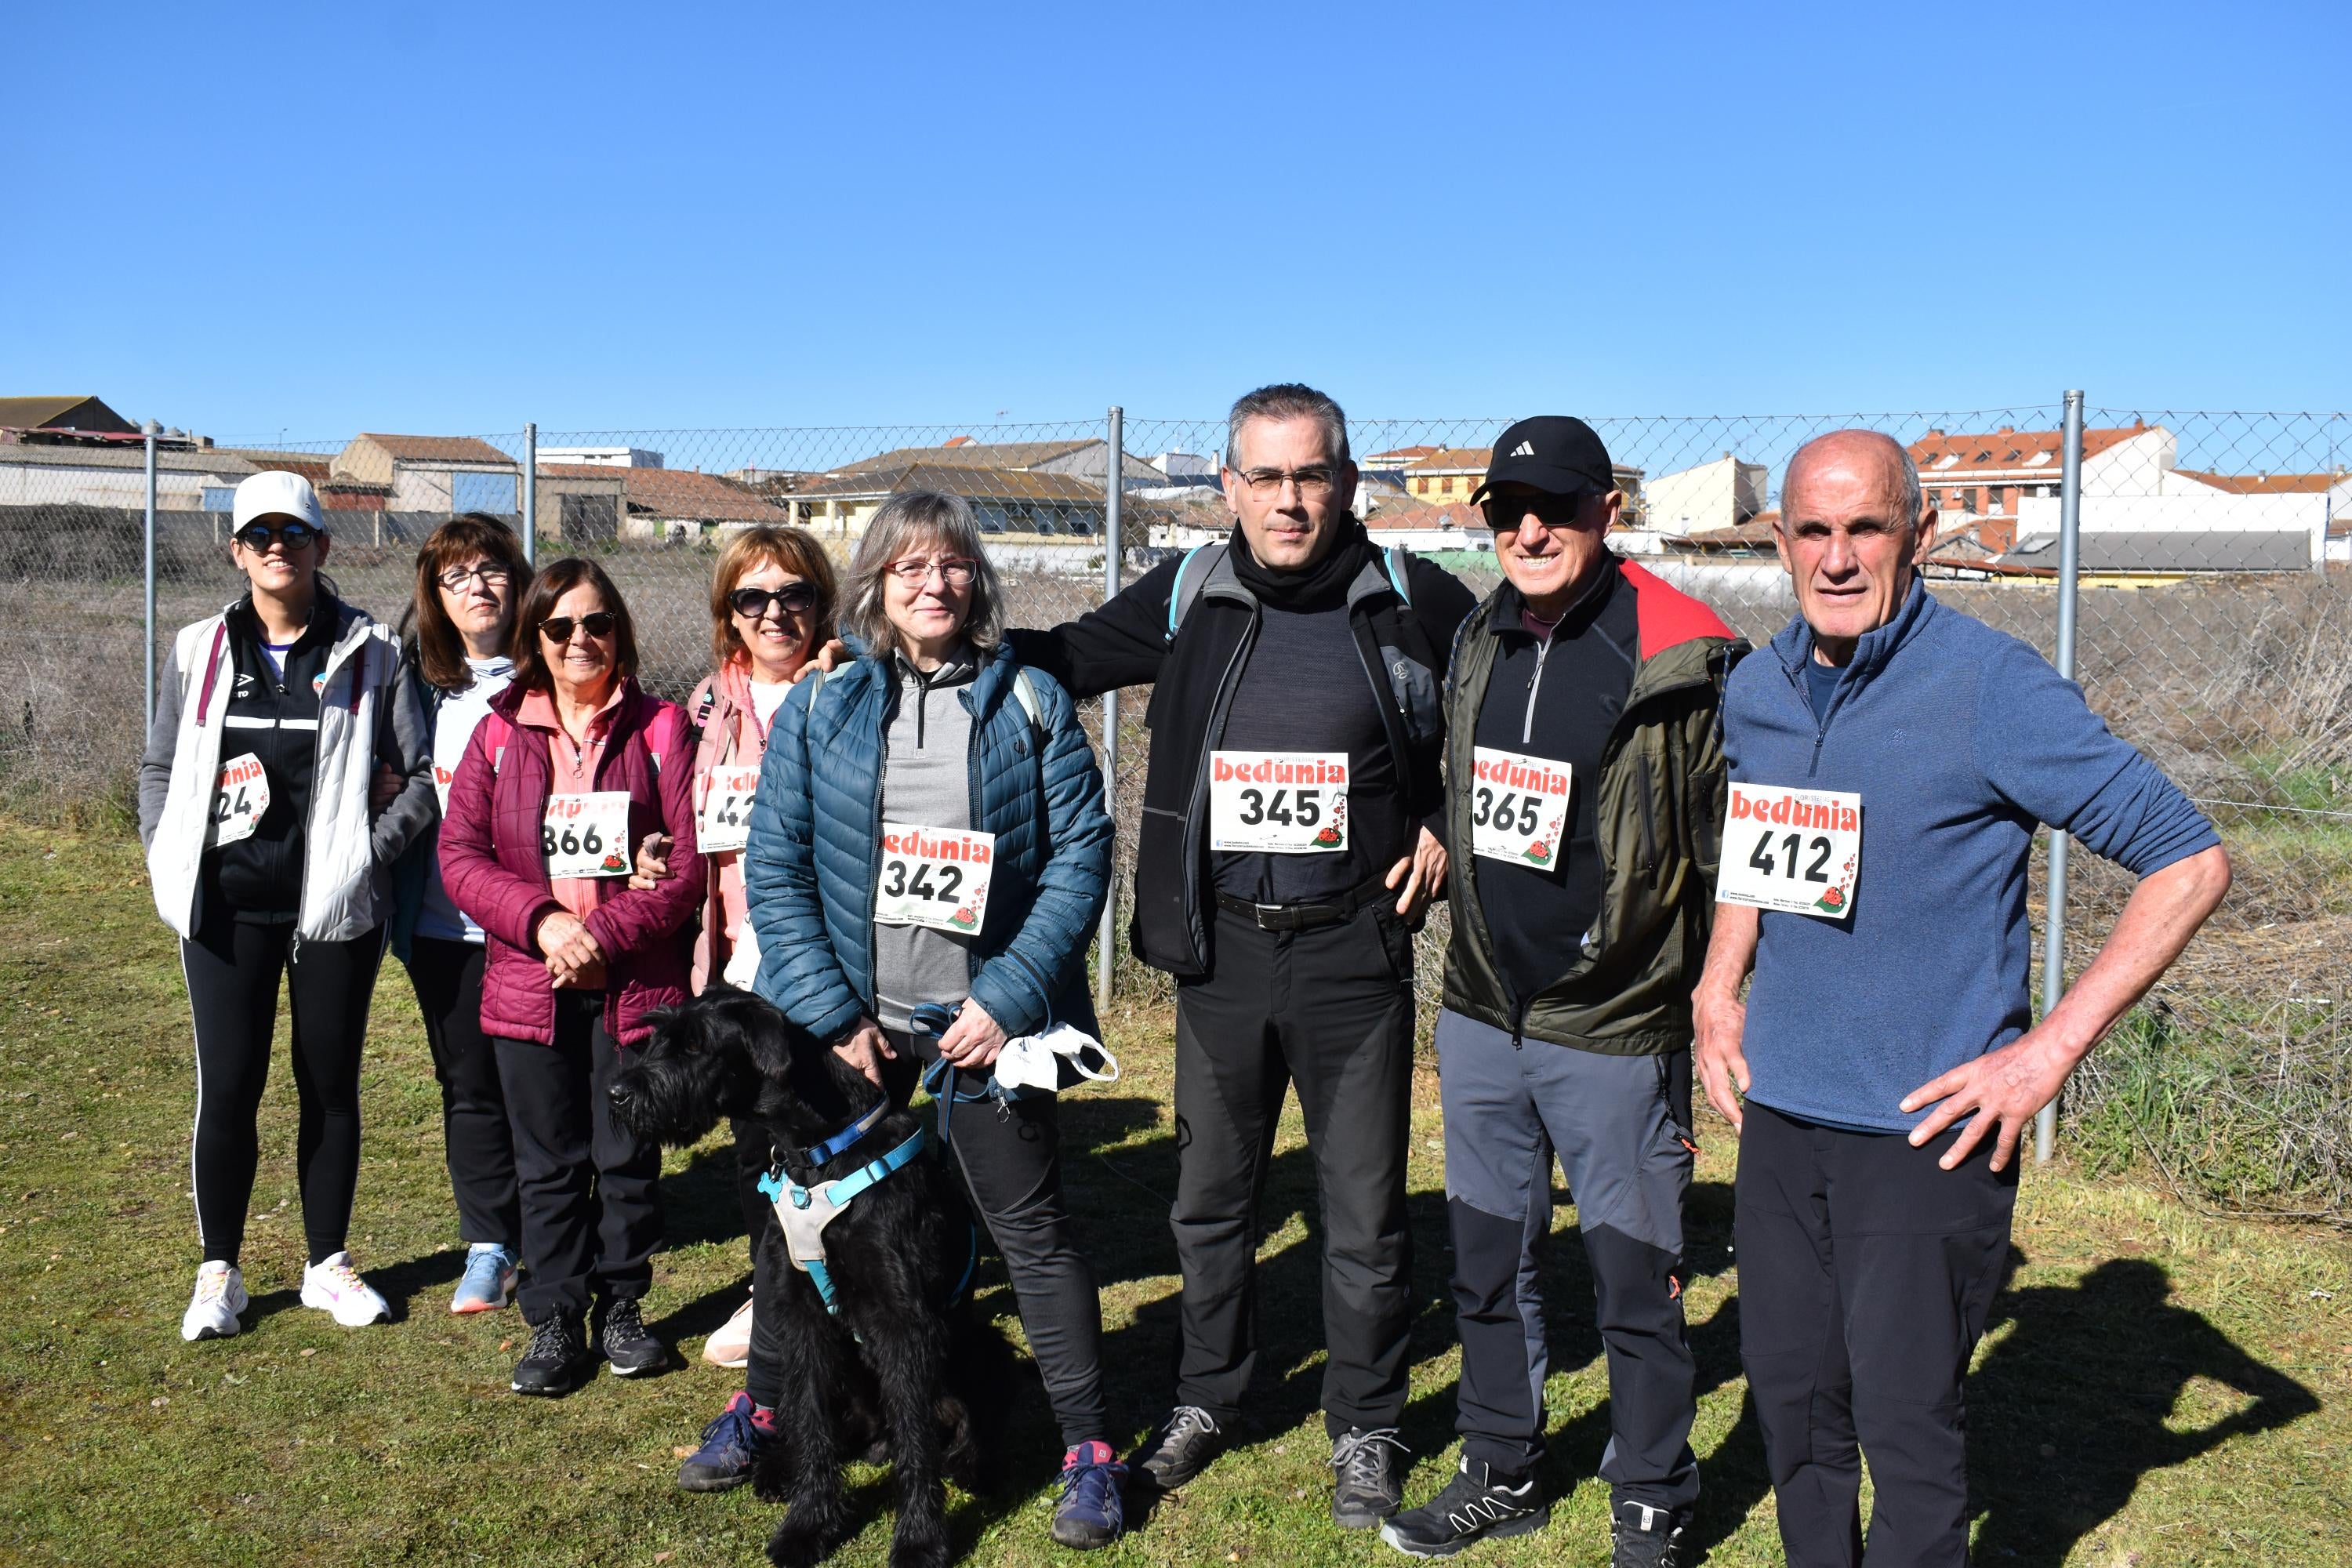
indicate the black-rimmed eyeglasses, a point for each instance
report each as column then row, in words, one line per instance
column 491, row 575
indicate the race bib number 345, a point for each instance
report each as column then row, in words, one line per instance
column 587, row 834
column 1279, row 803
column 935, row 877
column 1519, row 807
column 1797, row 850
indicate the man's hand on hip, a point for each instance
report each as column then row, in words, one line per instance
column 2002, row 1089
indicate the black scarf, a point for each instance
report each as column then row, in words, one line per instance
column 1320, row 586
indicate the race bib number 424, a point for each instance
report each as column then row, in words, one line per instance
column 1796, row 850
column 587, row 834
column 1279, row 803
column 1519, row 807
column 240, row 799
column 727, row 810
column 935, row 877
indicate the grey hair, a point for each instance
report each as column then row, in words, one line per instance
column 1287, row 400
column 1915, row 500
column 906, row 522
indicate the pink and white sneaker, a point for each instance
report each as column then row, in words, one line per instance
column 219, row 1301
column 334, row 1286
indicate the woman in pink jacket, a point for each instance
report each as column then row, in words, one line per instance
column 573, row 764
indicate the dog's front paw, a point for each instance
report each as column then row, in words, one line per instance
column 804, row 1538
column 920, row 1544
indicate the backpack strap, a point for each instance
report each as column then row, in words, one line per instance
column 1187, row 587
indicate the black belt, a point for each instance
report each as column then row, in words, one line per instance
column 1306, row 914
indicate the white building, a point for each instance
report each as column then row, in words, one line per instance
column 602, row 457
column 1724, row 493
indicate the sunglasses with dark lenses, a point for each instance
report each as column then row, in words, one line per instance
column 258, row 536
column 597, row 624
column 1504, row 514
column 792, row 598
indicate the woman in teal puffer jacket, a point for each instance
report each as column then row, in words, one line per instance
column 930, row 828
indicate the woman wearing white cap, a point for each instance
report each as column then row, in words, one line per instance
column 271, row 719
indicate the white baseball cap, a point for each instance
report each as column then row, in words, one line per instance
column 277, row 493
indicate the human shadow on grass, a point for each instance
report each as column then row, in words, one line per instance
column 2108, row 1356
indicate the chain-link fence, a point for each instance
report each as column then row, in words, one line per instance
column 2212, row 631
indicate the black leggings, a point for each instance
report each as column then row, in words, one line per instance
column 1012, row 1163
column 447, row 976
column 233, row 970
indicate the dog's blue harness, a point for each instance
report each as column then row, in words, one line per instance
column 805, row 1212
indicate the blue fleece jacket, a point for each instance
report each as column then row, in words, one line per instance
column 1959, row 740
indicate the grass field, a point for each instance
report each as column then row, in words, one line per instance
column 2158, row 1388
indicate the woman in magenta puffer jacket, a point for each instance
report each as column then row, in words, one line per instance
column 573, row 766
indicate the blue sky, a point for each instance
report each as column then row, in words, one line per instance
column 432, row 217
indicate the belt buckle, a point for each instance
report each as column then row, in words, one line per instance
column 1265, row 915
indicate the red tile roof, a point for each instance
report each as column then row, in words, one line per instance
column 2270, row 484
column 678, row 494
column 2006, row 450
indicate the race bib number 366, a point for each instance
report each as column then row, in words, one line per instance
column 935, row 877
column 727, row 810
column 1519, row 807
column 240, row 801
column 1279, row 803
column 1791, row 849
column 587, row 834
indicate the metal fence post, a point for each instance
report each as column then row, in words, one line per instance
column 1114, row 491
column 150, row 430
column 2069, row 561
column 530, row 493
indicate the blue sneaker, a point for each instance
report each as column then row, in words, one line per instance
column 730, row 1449
column 1092, row 1511
column 488, row 1282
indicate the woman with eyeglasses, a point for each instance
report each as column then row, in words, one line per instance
column 272, row 720
column 969, row 783
column 573, row 764
column 469, row 574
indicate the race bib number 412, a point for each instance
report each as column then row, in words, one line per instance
column 587, row 834
column 1278, row 803
column 1796, row 850
column 935, row 877
column 1519, row 807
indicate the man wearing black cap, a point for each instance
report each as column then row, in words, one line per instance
column 1584, row 801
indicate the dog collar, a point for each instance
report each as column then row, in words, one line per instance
column 818, row 1154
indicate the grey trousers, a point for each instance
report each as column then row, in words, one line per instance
column 1611, row 1121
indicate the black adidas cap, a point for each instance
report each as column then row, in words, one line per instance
column 1553, row 452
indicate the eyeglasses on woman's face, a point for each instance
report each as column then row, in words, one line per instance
column 955, row 570
column 490, row 573
column 558, row 629
column 259, row 537
column 792, row 599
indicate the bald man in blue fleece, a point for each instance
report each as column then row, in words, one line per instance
column 1885, row 1060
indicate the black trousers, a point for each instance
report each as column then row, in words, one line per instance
column 1865, row 1276
column 447, row 978
column 589, row 1189
column 1330, row 1010
column 1011, row 1157
column 233, row 971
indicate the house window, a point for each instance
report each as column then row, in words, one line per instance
column 1422, row 485
column 493, row 493
column 1445, row 487
column 1999, row 497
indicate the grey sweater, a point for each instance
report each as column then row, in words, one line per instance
column 927, row 782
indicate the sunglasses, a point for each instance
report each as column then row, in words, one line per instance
column 258, row 536
column 1504, row 514
column 792, row 599
column 597, row 624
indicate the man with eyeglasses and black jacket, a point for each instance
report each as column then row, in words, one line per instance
column 1287, row 853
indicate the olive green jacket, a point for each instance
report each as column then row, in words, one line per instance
column 1624, row 985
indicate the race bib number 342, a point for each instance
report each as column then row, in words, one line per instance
column 935, row 877
column 587, row 834
column 1519, row 807
column 1797, row 850
column 1279, row 803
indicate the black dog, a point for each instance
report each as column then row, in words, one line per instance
column 891, row 1358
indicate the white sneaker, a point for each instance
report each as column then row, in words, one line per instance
column 220, row 1299
column 336, row 1286
column 731, row 1346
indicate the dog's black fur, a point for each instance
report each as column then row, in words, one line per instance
column 913, row 1369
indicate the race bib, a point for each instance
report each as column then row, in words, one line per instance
column 1795, row 850
column 1519, row 807
column 1278, row 803
column 587, row 834
column 239, row 800
column 726, row 821
column 935, row 877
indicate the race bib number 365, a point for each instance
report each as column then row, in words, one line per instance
column 1791, row 849
column 935, row 877
column 1519, row 807
column 587, row 834
column 240, row 801
column 727, row 810
column 1279, row 803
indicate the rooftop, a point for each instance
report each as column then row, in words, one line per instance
column 974, row 479
column 2270, row 484
column 437, row 449
column 676, row 493
column 1938, row 454
column 2232, row 549
column 963, row 452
